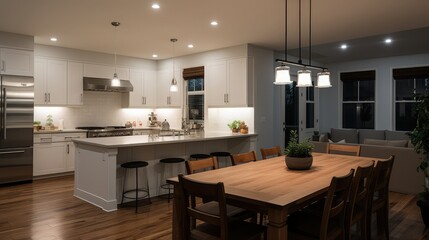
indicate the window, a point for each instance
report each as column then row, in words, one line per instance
column 309, row 114
column 358, row 99
column 195, row 92
column 408, row 82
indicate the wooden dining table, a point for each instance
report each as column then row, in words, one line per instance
column 268, row 186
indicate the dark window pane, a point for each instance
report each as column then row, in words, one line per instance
column 366, row 90
column 350, row 90
column 291, row 104
column 349, row 115
column 404, row 89
column 191, row 85
column 310, row 93
column 199, row 84
column 405, row 116
column 422, row 85
column 309, row 115
column 196, row 107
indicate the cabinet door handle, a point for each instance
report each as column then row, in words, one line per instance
column 224, row 97
column 3, row 66
column 145, row 100
column 168, row 100
column 68, row 148
column 81, row 97
column 46, row 97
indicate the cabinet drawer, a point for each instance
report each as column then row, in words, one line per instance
column 66, row 137
column 42, row 138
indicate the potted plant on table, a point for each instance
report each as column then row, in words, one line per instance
column 298, row 154
column 420, row 139
column 234, row 126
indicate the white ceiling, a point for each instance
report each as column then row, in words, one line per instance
column 85, row 24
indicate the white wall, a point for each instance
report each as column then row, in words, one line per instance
column 330, row 104
column 14, row 40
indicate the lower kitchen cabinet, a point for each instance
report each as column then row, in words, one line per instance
column 54, row 153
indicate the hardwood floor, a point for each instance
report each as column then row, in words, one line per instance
column 46, row 209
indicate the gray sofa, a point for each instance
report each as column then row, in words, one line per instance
column 382, row 144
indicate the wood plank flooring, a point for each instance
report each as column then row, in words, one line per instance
column 46, row 209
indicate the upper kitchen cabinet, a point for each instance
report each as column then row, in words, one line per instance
column 165, row 98
column 16, row 62
column 144, row 93
column 103, row 71
column 229, row 83
column 50, row 82
column 74, row 83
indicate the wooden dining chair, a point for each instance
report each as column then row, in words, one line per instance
column 357, row 205
column 243, row 158
column 201, row 164
column 379, row 197
column 271, row 152
column 328, row 224
column 353, row 150
column 216, row 224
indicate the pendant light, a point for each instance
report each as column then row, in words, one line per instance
column 323, row 80
column 283, row 71
column 116, row 82
column 173, row 86
column 304, row 76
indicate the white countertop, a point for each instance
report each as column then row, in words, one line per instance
column 143, row 140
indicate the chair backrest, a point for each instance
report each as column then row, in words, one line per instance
column 379, row 191
column 271, row 152
column 359, row 194
column 335, row 204
column 197, row 165
column 243, row 158
column 192, row 189
column 353, row 150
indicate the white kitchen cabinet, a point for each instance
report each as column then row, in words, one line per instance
column 104, row 71
column 74, row 83
column 16, row 62
column 165, row 98
column 54, row 152
column 144, row 93
column 50, row 82
column 229, row 83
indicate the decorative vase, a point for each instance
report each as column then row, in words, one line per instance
column 295, row 163
column 424, row 210
column 244, row 130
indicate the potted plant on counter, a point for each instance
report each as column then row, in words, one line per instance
column 234, row 126
column 420, row 139
column 298, row 155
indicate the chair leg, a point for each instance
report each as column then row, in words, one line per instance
column 123, row 186
column 147, row 184
column 169, row 194
column 137, row 187
column 362, row 228
column 383, row 222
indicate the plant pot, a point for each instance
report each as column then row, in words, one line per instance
column 244, row 130
column 294, row 163
column 424, row 210
column 235, row 130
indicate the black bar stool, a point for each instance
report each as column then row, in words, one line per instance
column 219, row 155
column 169, row 162
column 136, row 165
column 198, row 156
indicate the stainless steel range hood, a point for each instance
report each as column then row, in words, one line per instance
column 105, row 85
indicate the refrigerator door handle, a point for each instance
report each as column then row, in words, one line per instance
column 11, row 152
column 4, row 113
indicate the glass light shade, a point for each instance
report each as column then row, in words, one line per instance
column 115, row 80
column 323, row 80
column 304, row 78
column 282, row 75
column 173, row 86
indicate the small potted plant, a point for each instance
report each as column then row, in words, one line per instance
column 243, row 128
column 36, row 126
column 298, row 154
column 420, row 139
column 49, row 124
column 234, row 126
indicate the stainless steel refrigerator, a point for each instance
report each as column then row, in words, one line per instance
column 16, row 122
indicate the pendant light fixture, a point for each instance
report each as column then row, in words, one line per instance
column 116, row 82
column 304, row 76
column 173, row 86
column 283, row 71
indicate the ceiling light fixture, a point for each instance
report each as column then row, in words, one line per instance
column 344, row 46
column 388, row 40
column 214, row 23
column 54, row 39
column 304, row 76
column 190, row 46
column 116, row 82
column 173, row 86
column 155, row 6
column 154, row 55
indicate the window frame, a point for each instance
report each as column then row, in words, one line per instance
column 191, row 93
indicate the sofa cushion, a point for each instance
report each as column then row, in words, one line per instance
column 323, row 138
column 370, row 134
column 350, row 135
column 341, row 141
column 392, row 143
column 393, row 135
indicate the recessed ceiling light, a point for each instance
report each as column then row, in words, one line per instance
column 154, row 55
column 190, row 46
column 155, row 6
column 344, row 46
column 214, row 23
column 388, row 40
column 54, row 39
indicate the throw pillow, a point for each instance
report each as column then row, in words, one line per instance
column 350, row 135
column 341, row 141
column 393, row 143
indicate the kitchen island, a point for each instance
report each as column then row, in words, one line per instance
column 98, row 175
